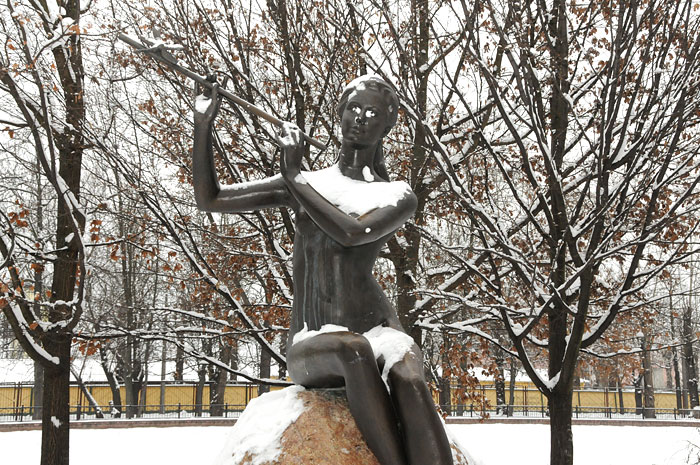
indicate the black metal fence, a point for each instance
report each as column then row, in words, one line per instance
column 541, row 411
column 182, row 400
column 82, row 412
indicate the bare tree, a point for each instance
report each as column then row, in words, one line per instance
column 588, row 175
column 42, row 83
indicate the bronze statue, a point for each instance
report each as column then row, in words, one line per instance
column 344, row 331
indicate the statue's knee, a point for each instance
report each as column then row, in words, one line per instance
column 355, row 349
column 407, row 376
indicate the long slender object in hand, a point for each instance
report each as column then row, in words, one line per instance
column 160, row 53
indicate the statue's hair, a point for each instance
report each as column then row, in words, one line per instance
column 388, row 93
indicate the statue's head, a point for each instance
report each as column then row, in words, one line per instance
column 376, row 89
column 368, row 109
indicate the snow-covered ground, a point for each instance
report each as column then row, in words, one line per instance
column 490, row 444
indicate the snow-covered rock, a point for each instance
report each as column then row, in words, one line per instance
column 309, row 427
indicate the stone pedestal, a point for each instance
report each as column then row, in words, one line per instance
column 324, row 433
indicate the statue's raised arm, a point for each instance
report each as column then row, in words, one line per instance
column 209, row 194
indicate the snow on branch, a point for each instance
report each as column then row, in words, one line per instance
column 27, row 336
column 201, row 267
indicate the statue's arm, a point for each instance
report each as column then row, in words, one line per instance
column 343, row 228
column 209, row 194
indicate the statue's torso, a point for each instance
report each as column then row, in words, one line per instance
column 334, row 284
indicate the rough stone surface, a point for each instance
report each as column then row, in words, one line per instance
column 326, row 434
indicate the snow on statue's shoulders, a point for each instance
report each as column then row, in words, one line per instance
column 259, row 429
column 353, row 196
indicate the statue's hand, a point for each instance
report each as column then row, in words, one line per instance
column 206, row 105
column 291, row 140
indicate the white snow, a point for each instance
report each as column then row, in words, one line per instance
column 201, row 103
column 358, row 84
column 367, row 174
column 22, row 370
column 300, row 179
column 552, row 382
column 248, row 184
column 292, row 135
column 306, row 334
column 259, row 429
column 353, row 196
column 389, row 343
column 489, row 444
column 53, row 10
column 16, row 311
column 56, row 422
column 593, row 445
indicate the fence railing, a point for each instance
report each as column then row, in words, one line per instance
column 82, row 412
column 541, row 411
column 184, row 400
column 125, row 412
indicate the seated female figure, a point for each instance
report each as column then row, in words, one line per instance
column 344, row 331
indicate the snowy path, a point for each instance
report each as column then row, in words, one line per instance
column 491, row 444
column 499, row 444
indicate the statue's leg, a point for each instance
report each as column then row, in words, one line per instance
column 424, row 433
column 334, row 359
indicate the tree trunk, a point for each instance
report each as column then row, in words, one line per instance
column 500, row 384
column 688, row 354
column 283, row 350
column 88, row 395
column 445, row 395
column 143, row 394
column 55, row 413
column 38, row 393
column 511, row 387
column 163, row 356
column 143, row 380
column 234, row 359
column 264, row 371
column 406, row 257
column 639, row 394
column 199, row 390
column 668, row 367
column 179, row 362
column 56, row 410
column 620, row 396
column 217, row 391
column 132, row 386
column 116, row 404
column 676, row 369
column 649, row 410
column 684, row 380
column 562, row 441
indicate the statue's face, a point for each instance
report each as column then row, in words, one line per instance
column 364, row 119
